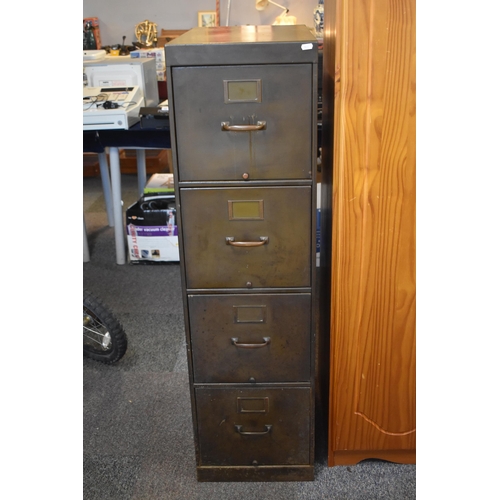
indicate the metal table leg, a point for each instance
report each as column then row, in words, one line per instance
column 106, row 187
column 141, row 170
column 116, row 188
column 86, row 253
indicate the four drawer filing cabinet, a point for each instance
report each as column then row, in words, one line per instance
column 243, row 127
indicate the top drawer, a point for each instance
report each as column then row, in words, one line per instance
column 243, row 122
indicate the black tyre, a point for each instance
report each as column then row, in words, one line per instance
column 103, row 336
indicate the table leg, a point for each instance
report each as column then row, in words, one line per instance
column 106, row 187
column 86, row 253
column 116, row 188
column 141, row 170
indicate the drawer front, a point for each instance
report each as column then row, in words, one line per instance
column 236, row 338
column 219, row 223
column 267, row 426
column 207, row 97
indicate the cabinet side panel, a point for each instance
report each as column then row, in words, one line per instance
column 373, row 259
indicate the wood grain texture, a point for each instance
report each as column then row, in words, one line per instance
column 373, row 355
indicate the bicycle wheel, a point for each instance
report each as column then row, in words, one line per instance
column 103, row 336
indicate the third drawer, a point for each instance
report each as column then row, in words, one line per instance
column 258, row 338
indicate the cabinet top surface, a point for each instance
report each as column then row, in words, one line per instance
column 243, row 45
column 245, row 34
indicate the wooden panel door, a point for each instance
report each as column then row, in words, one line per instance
column 373, row 372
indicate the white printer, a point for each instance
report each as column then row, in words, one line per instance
column 117, row 87
column 124, row 71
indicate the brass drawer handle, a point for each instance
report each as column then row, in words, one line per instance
column 243, row 128
column 266, row 340
column 253, row 433
column 263, row 241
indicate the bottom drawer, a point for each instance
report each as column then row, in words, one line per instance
column 262, row 426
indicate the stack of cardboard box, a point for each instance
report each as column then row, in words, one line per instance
column 158, row 53
column 152, row 223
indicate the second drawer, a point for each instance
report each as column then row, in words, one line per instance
column 248, row 237
column 250, row 338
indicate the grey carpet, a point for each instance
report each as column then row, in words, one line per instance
column 137, row 428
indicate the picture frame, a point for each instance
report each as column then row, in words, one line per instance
column 207, row 18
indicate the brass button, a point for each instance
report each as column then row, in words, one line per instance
column 249, row 284
column 245, row 176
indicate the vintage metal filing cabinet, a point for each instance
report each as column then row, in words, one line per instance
column 243, row 127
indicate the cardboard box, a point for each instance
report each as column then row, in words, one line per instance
column 139, row 53
column 159, row 184
column 152, row 234
column 168, row 35
column 158, row 54
column 153, row 52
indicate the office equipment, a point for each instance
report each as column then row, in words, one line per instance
column 243, row 126
column 94, row 55
column 124, row 71
column 111, row 107
column 154, row 117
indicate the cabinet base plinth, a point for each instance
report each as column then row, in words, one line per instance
column 345, row 457
column 262, row 473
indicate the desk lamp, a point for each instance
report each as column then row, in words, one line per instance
column 283, row 18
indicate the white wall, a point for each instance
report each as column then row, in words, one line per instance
column 119, row 17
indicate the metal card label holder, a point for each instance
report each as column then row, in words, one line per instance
column 246, row 209
column 253, row 405
column 250, row 314
column 236, row 91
